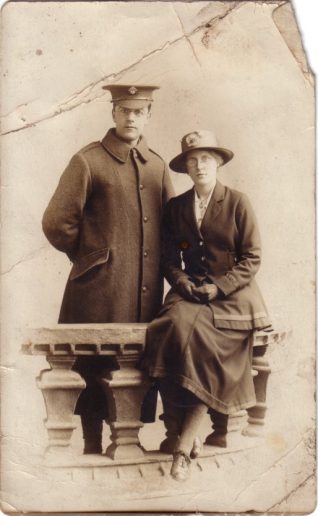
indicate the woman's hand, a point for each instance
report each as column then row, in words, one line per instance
column 187, row 289
column 206, row 292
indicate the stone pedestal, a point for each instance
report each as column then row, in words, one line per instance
column 256, row 414
column 236, row 421
column 61, row 388
column 125, row 390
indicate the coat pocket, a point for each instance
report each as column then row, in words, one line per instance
column 87, row 262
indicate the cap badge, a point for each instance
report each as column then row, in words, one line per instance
column 192, row 140
column 132, row 90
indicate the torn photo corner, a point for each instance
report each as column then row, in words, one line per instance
column 71, row 72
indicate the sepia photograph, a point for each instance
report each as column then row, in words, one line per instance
column 158, row 309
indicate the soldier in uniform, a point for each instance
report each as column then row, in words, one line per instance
column 198, row 347
column 105, row 215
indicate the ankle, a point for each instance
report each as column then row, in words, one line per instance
column 180, row 468
column 183, row 454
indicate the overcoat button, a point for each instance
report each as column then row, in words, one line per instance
column 145, row 254
column 141, row 187
column 203, row 258
column 144, row 288
column 145, row 219
column 201, row 242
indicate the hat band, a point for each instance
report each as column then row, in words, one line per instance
column 131, row 98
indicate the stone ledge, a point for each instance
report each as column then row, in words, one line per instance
column 61, row 386
column 86, row 339
column 237, row 443
column 105, row 339
column 218, row 482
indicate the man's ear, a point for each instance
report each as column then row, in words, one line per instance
column 113, row 113
column 147, row 118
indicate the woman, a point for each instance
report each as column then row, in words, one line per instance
column 198, row 346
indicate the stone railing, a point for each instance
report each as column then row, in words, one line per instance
column 124, row 388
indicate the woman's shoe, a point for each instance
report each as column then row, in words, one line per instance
column 180, row 469
column 168, row 445
column 196, row 448
column 216, row 439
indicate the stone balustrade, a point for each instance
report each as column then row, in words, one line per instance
column 124, row 387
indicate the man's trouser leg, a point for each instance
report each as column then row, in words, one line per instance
column 92, row 433
column 92, row 403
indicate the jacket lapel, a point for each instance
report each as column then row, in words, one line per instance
column 214, row 206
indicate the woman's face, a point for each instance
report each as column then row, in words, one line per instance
column 202, row 165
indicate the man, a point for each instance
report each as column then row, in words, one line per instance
column 105, row 215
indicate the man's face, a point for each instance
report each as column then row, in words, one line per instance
column 130, row 122
column 201, row 166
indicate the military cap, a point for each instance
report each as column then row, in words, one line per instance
column 135, row 96
column 195, row 141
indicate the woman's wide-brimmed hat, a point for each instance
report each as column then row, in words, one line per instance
column 199, row 140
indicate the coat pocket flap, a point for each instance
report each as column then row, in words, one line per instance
column 87, row 262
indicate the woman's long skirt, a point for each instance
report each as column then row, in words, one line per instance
column 214, row 364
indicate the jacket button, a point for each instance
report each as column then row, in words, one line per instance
column 203, row 258
column 146, row 219
column 141, row 187
column 145, row 254
column 201, row 242
column 144, row 288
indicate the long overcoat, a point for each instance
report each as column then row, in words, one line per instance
column 105, row 215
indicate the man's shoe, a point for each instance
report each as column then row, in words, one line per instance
column 180, row 469
column 216, row 439
column 196, row 448
column 92, row 447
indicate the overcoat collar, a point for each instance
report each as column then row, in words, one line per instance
column 120, row 149
column 213, row 208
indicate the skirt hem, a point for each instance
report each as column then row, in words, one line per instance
column 207, row 398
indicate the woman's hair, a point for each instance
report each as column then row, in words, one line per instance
column 217, row 156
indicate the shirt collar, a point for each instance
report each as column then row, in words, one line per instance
column 120, row 149
column 197, row 199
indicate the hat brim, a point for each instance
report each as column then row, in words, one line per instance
column 177, row 164
column 132, row 103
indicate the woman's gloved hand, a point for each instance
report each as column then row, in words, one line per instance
column 206, row 292
column 186, row 288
